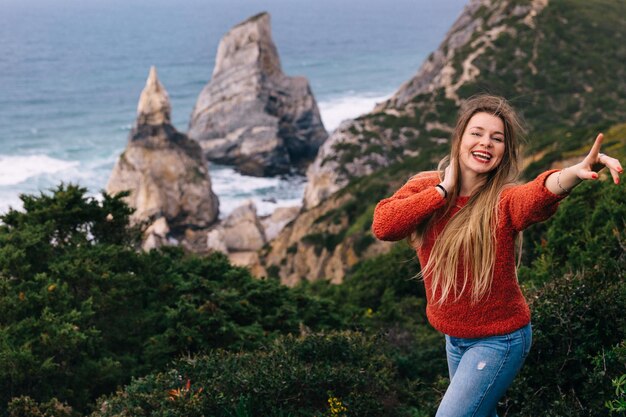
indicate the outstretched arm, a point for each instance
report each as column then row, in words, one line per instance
column 564, row 181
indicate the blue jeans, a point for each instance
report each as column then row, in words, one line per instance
column 481, row 370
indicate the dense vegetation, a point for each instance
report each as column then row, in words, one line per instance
column 89, row 325
column 82, row 312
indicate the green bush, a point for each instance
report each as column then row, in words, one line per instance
column 82, row 311
column 294, row 376
column 618, row 405
column 381, row 297
column 27, row 407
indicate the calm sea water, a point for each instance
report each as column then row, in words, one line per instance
column 71, row 72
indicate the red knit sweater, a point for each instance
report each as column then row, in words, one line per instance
column 504, row 310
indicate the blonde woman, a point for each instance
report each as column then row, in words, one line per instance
column 463, row 221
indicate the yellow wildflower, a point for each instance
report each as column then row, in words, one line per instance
column 337, row 409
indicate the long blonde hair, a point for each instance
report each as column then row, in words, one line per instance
column 468, row 239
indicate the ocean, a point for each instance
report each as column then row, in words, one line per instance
column 71, row 72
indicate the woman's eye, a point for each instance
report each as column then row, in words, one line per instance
column 498, row 139
column 475, row 134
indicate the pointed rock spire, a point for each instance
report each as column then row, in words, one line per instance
column 165, row 172
column 154, row 103
column 250, row 114
column 248, row 43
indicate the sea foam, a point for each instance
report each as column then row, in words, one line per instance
column 233, row 189
column 349, row 106
column 17, row 169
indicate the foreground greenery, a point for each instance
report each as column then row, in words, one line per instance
column 83, row 313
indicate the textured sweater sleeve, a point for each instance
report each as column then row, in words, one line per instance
column 397, row 217
column 531, row 202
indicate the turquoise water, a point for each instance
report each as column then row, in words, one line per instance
column 71, row 73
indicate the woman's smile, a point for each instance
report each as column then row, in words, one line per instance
column 482, row 156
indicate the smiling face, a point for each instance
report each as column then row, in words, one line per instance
column 482, row 145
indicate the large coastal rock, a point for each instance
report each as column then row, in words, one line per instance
column 355, row 149
column 250, row 114
column 243, row 234
column 276, row 222
column 164, row 171
column 243, row 230
column 240, row 236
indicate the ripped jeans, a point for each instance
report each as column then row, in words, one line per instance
column 481, row 370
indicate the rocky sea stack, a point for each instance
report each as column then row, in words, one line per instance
column 250, row 114
column 164, row 171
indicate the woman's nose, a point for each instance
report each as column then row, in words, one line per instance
column 485, row 141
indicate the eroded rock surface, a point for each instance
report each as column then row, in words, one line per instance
column 164, row 170
column 250, row 114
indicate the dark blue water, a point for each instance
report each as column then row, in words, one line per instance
column 71, row 73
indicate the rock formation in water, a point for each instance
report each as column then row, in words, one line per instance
column 165, row 172
column 250, row 114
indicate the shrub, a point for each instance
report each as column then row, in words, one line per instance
column 27, row 407
column 293, row 376
column 82, row 311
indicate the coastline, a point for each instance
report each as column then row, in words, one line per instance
column 35, row 173
column 70, row 94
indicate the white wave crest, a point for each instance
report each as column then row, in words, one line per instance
column 9, row 199
column 17, row 169
column 336, row 110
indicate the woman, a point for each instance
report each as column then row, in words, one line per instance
column 463, row 222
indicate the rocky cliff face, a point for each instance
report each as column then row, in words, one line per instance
column 321, row 243
column 251, row 114
column 164, row 171
column 541, row 55
column 421, row 112
column 453, row 65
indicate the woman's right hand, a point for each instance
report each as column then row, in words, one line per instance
column 449, row 175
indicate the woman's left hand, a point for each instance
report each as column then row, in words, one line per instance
column 595, row 161
column 564, row 181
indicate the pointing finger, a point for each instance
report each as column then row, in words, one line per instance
column 595, row 149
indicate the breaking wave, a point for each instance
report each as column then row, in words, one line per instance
column 17, row 169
